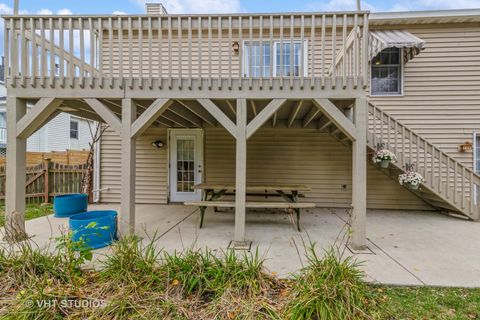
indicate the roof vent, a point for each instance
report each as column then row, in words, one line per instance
column 155, row 9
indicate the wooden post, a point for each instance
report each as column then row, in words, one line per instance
column 359, row 176
column 240, row 173
column 128, row 175
column 46, row 170
column 16, row 172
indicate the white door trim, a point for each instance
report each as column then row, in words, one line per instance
column 174, row 195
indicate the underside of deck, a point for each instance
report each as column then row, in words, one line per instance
column 240, row 110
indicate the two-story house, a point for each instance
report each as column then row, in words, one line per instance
column 257, row 101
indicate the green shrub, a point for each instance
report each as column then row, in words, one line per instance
column 328, row 288
column 130, row 262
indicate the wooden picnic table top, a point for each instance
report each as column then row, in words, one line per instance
column 255, row 188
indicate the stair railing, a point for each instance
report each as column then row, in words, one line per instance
column 455, row 183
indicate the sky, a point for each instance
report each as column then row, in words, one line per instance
column 227, row 6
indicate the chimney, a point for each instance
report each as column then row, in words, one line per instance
column 155, row 9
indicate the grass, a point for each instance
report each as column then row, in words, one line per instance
column 427, row 302
column 32, row 211
column 139, row 281
column 329, row 288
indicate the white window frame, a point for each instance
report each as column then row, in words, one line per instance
column 475, row 135
column 70, row 128
column 273, row 51
column 474, row 138
column 402, row 76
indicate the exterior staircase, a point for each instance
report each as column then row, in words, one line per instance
column 449, row 185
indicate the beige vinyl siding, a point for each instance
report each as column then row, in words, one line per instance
column 441, row 99
column 152, row 168
column 219, row 55
column 274, row 156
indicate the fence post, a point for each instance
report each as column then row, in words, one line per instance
column 46, row 170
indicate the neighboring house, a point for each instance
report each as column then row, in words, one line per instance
column 63, row 132
column 253, row 99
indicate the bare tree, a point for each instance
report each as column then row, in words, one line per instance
column 95, row 134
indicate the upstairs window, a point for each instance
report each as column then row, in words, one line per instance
column 74, row 129
column 386, row 74
column 284, row 56
column 258, row 59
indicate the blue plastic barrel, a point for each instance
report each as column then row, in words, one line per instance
column 97, row 228
column 69, row 204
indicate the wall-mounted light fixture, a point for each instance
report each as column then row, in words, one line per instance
column 464, row 147
column 158, row 144
column 235, row 47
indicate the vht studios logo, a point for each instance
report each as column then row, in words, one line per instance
column 66, row 303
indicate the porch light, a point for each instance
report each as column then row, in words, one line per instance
column 158, row 144
column 467, row 146
column 235, row 47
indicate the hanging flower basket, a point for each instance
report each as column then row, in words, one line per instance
column 383, row 157
column 411, row 180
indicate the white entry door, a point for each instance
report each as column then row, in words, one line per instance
column 186, row 164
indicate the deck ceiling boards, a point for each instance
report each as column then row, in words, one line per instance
column 190, row 114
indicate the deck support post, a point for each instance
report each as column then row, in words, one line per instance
column 240, row 173
column 16, row 170
column 359, row 176
column 128, row 175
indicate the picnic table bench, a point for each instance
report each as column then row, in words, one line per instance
column 290, row 193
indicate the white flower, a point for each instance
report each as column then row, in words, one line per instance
column 411, row 177
column 383, row 154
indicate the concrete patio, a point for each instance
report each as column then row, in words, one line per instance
column 405, row 248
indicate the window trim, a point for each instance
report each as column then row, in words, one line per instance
column 78, row 129
column 475, row 134
column 402, row 76
column 273, row 51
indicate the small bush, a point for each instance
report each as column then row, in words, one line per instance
column 329, row 288
column 132, row 263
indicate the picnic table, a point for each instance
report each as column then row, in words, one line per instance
column 290, row 193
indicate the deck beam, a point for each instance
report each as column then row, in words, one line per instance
column 16, row 172
column 149, row 116
column 240, row 173
column 106, row 113
column 336, row 116
column 359, row 176
column 263, row 116
column 128, row 165
column 37, row 116
column 221, row 117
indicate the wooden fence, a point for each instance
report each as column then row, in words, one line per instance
column 70, row 157
column 48, row 179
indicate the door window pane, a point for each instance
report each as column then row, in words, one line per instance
column 185, row 165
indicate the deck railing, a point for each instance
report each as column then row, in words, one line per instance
column 445, row 176
column 43, row 50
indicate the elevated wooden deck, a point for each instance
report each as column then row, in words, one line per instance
column 177, row 56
